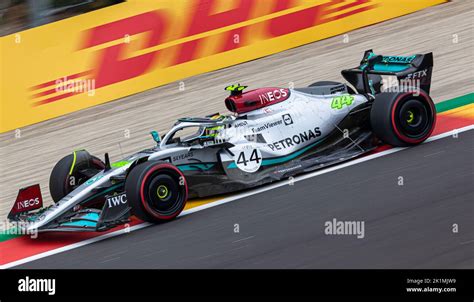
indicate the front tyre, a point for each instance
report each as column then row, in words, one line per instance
column 157, row 191
column 404, row 118
column 72, row 171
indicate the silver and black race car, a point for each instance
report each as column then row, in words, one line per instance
column 272, row 134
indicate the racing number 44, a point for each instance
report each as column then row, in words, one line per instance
column 340, row 101
column 253, row 157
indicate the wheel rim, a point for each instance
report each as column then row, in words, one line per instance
column 413, row 119
column 163, row 194
column 162, row 191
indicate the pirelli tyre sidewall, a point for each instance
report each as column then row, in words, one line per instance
column 157, row 191
column 404, row 118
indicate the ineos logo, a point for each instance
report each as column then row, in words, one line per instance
column 28, row 203
column 271, row 96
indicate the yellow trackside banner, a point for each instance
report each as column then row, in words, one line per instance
column 130, row 47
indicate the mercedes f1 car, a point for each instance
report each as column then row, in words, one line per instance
column 272, row 134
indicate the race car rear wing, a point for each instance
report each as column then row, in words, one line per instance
column 413, row 71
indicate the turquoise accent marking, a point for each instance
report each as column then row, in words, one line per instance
column 279, row 160
column 398, row 59
column 156, row 136
column 91, row 216
column 390, row 63
column 93, row 179
column 195, row 167
column 364, row 66
column 80, row 223
column 387, row 67
column 390, row 67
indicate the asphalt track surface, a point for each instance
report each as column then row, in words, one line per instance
column 446, row 30
column 406, row 226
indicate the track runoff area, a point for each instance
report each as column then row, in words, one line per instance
column 454, row 117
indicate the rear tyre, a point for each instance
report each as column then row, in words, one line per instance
column 404, row 118
column 156, row 191
column 329, row 83
column 68, row 173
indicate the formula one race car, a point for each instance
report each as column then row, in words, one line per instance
column 273, row 133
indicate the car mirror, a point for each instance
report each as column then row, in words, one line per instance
column 156, row 136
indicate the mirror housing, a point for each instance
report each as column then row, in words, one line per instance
column 156, row 137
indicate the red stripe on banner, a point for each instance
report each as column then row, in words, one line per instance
column 55, row 98
column 53, row 82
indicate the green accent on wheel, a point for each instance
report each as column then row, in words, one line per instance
column 411, row 117
column 455, row 103
column 162, row 191
column 73, row 162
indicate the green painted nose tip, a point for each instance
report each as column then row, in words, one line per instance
column 162, row 191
